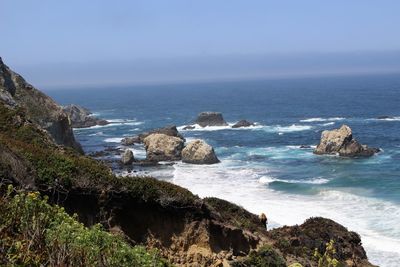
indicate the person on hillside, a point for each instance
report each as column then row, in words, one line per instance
column 263, row 219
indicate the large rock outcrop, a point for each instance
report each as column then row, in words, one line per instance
column 341, row 142
column 82, row 117
column 162, row 147
column 15, row 92
column 169, row 130
column 205, row 119
column 199, row 152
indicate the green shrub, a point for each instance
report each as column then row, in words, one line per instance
column 34, row 233
column 328, row 258
column 265, row 256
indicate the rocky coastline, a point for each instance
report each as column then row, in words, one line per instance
column 38, row 153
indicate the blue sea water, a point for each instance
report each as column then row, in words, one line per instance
column 263, row 168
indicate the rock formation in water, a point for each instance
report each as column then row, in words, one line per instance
column 199, row 152
column 341, row 142
column 205, row 119
column 170, row 130
column 162, row 147
column 81, row 117
column 15, row 92
column 243, row 123
column 187, row 230
column 127, row 157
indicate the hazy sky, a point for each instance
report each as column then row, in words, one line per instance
column 76, row 42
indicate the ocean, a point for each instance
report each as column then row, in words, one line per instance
column 263, row 167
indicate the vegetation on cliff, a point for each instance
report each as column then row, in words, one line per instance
column 35, row 233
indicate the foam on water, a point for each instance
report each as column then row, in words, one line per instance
column 322, row 119
column 374, row 219
column 113, row 140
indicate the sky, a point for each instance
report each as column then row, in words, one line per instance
column 74, row 43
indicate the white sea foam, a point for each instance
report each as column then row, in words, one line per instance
column 322, row 119
column 377, row 221
column 290, row 128
column 113, row 122
column 328, row 123
column 386, row 119
column 113, row 140
column 318, row 180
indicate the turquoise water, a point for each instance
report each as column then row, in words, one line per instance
column 262, row 168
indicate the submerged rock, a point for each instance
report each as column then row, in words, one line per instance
column 205, row 119
column 162, row 147
column 127, row 158
column 189, row 127
column 199, row 152
column 243, row 123
column 81, row 117
column 340, row 141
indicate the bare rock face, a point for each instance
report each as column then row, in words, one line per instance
column 81, row 117
column 199, row 152
column 40, row 108
column 340, row 141
column 170, row 130
column 205, row 119
column 162, row 147
column 243, row 123
column 127, row 158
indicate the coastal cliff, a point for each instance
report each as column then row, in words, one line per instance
column 39, row 108
column 185, row 229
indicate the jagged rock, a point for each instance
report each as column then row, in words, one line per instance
column 199, row 152
column 162, row 147
column 81, row 117
column 340, row 141
column 305, row 146
column 128, row 141
column 210, row 119
column 39, row 108
column 243, row 123
column 127, row 158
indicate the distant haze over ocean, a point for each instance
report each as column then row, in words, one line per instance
column 106, row 71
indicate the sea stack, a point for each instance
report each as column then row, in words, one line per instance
column 162, row 147
column 199, row 152
column 205, row 119
column 341, row 142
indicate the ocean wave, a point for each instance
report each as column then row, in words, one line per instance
column 322, row 119
column 318, row 180
column 114, row 122
column 288, row 129
column 328, row 123
column 113, row 140
column 397, row 118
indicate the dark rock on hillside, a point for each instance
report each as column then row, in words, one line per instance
column 243, row 123
column 81, row 117
column 340, row 141
column 314, row 233
column 170, row 130
column 39, row 108
column 205, row 119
